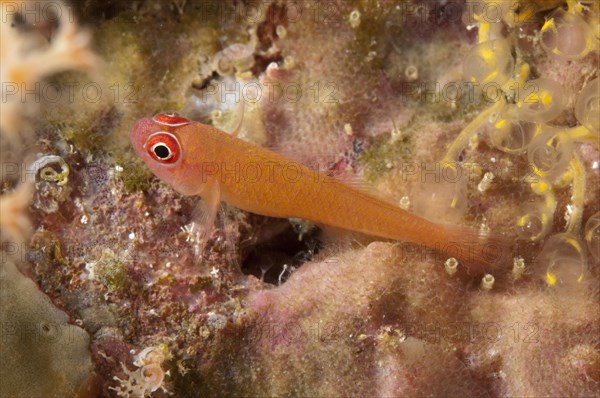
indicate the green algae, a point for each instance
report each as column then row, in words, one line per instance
column 135, row 175
column 110, row 271
column 385, row 152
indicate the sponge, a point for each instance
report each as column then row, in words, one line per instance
column 42, row 355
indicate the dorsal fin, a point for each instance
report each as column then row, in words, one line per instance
column 359, row 184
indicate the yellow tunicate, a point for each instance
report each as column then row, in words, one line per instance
column 464, row 138
column 551, row 279
column 510, row 134
column 540, row 187
column 587, row 108
column 542, row 100
column 536, row 218
column 567, row 35
column 583, row 134
column 484, row 31
column 522, row 11
column 534, row 223
column 575, row 207
column 500, row 124
column 549, row 154
column 488, row 15
column 490, row 61
column 441, row 193
column 563, row 259
column 591, row 235
column 574, row 6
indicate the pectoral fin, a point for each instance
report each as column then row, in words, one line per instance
column 238, row 128
column 205, row 213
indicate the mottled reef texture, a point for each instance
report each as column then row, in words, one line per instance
column 105, row 289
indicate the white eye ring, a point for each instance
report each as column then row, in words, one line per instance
column 170, row 141
column 170, row 114
column 153, row 149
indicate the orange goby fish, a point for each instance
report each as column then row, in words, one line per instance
column 197, row 159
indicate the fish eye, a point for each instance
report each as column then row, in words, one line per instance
column 163, row 147
column 162, row 151
column 171, row 119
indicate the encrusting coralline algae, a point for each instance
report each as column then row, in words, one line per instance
column 475, row 113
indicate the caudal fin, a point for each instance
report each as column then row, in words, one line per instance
column 480, row 253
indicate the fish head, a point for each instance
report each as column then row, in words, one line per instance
column 159, row 142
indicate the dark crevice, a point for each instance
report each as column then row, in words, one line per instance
column 274, row 260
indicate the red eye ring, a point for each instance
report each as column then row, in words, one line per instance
column 171, row 119
column 163, row 147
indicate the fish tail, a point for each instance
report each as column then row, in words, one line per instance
column 479, row 252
